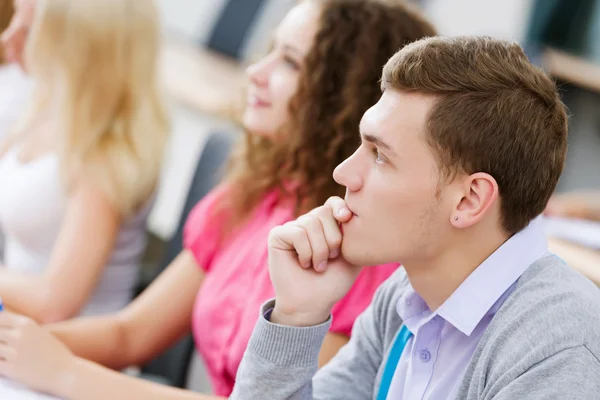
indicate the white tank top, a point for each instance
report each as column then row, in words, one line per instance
column 32, row 206
column 16, row 91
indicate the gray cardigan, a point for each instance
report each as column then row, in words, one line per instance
column 543, row 343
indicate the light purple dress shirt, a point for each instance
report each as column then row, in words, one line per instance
column 436, row 356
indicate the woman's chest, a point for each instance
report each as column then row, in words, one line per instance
column 33, row 200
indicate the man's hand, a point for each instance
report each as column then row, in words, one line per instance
column 306, row 266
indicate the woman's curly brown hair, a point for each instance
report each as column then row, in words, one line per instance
column 338, row 83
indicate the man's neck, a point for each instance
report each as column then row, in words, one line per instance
column 435, row 279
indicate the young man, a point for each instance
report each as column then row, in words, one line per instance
column 458, row 158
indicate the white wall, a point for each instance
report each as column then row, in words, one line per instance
column 189, row 18
column 194, row 20
column 504, row 19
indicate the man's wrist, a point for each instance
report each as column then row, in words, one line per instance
column 297, row 319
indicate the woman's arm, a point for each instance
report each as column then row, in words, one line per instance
column 153, row 321
column 89, row 381
column 331, row 345
column 32, row 356
column 84, row 244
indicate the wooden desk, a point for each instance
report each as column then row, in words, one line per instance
column 572, row 69
column 583, row 259
column 202, row 79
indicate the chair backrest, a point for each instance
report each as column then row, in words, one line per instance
column 207, row 175
column 231, row 30
column 172, row 366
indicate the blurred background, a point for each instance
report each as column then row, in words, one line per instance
column 208, row 43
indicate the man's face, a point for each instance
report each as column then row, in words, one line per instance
column 14, row 37
column 393, row 186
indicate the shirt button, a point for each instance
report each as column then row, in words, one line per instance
column 409, row 302
column 425, row 355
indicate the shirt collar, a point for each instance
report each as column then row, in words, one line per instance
column 483, row 290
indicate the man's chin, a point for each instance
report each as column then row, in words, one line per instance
column 362, row 254
column 356, row 256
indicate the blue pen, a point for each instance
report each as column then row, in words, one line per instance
column 1, row 305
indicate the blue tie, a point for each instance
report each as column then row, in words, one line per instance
column 392, row 362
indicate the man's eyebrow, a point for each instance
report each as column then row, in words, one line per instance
column 377, row 141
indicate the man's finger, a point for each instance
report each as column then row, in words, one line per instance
column 318, row 243
column 292, row 237
column 341, row 212
column 331, row 228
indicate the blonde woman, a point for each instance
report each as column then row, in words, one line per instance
column 79, row 173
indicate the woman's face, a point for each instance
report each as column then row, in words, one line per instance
column 15, row 36
column 274, row 79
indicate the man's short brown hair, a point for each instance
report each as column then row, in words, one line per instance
column 496, row 113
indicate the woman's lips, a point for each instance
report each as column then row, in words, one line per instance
column 255, row 101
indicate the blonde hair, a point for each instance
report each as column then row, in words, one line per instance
column 6, row 13
column 95, row 64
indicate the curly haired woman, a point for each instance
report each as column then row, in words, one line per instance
column 305, row 101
